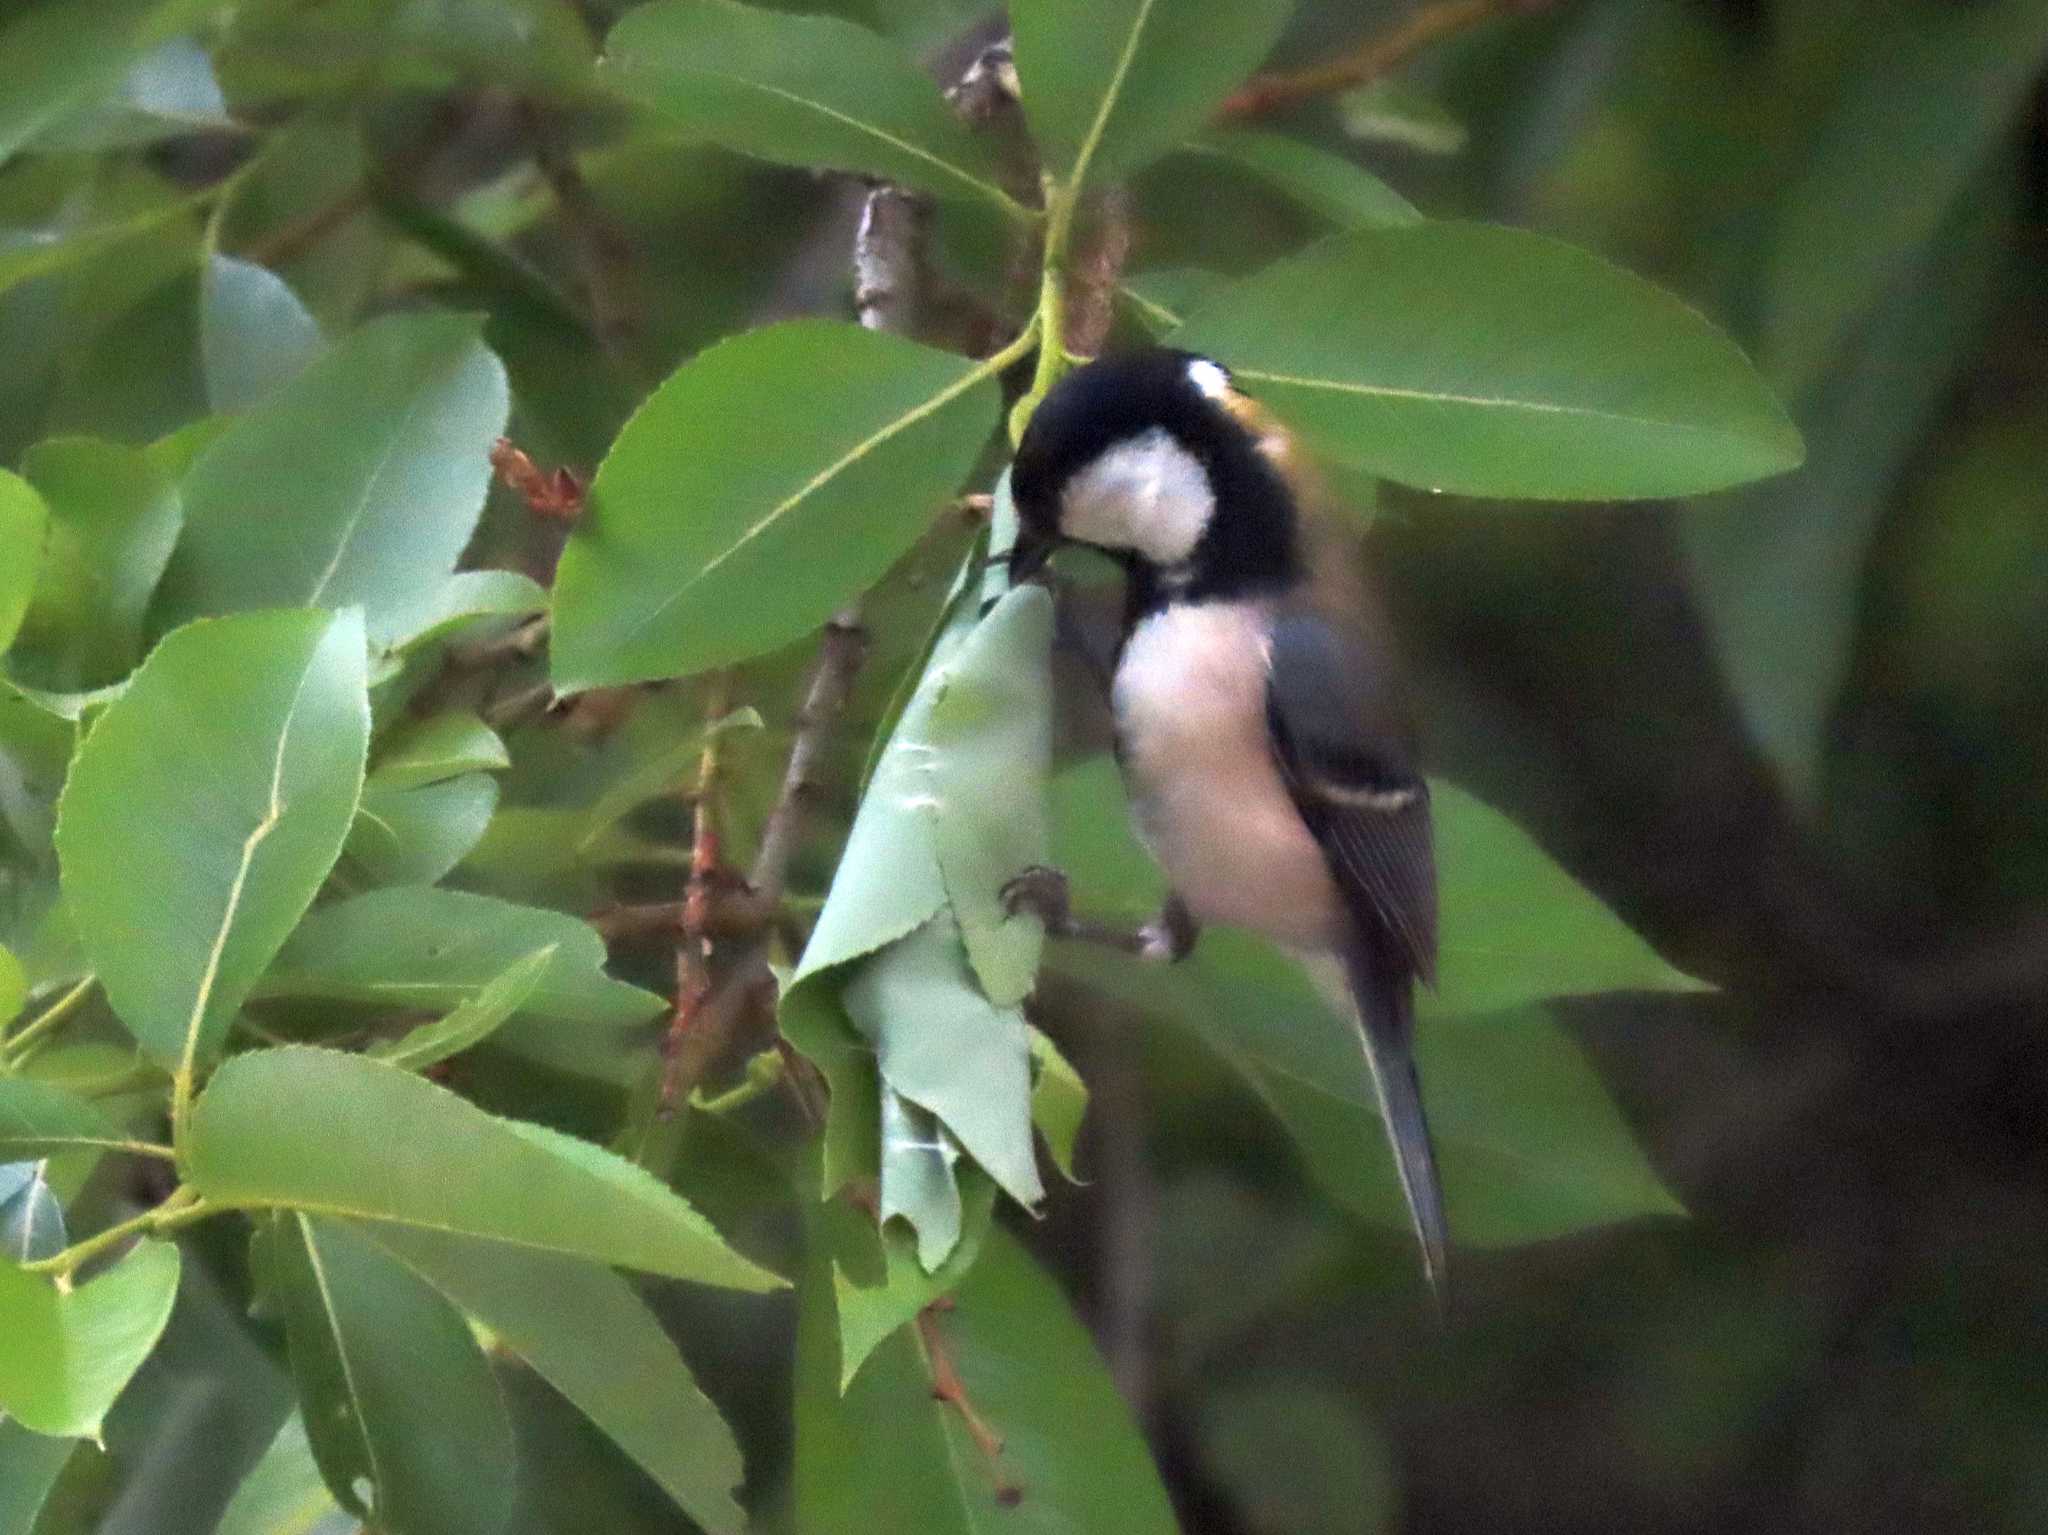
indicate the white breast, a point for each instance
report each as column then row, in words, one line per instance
column 1190, row 700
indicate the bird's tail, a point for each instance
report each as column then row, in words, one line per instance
column 1384, row 994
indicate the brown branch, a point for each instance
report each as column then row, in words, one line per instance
column 693, row 938
column 1376, row 56
column 889, row 295
column 947, row 1387
column 989, row 88
column 604, row 254
column 1095, row 273
column 731, row 911
column 288, row 242
column 524, row 641
column 516, row 709
column 888, row 274
column 840, row 654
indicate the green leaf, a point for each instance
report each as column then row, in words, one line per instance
column 1515, row 927
column 946, row 1048
column 24, row 527
column 168, row 91
column 879, row 1284
column 799, row 90
column 463, row 598
column 114, row 518
column 76, row 230
column 382, row 446
column 813, row 1020
column 1164, row 299
column 400, row 1406
column 1529, row 1143
column 1779, row 569
column 471, row 1023
column 310, row 1130
column 809, row 457
column 85, row 1068
column 57, row 57
column 30, row 1464
column 13, row 988
column 1931, row 91
column 427, row 950
column 890, row 883
column 585, row 1332
column 1112, row 84
column 31, row 1219
column 1059, row 1102
column 1328, row 185
column 1492, row 362
column 987, row 751
column 1295, row 1454
column 284, row 1494
column 70, row 1352
column 655, row 776
column 439, row 748
column 888, row 1456
column 38, row 1119
column 889, row 880
column 255, row 336
column 918, row 1176
column 245, row 736
column 415, row 836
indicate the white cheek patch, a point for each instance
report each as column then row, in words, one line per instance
column 1147, row 494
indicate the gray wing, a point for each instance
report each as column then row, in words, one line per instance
column 1343, row 755
column 1337, row 741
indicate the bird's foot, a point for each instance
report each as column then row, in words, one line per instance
column 1043, row 892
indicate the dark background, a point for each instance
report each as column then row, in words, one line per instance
column 1797, row 735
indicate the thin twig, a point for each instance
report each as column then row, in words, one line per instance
column 517, row 708
column 947, row 1387
column 604, row 254
column 17, row 1050
column 840, row 653
column 1376, row 56
column 693, row 939
column 731, row 911
column 714, row 1018
column 888, row 296
column 288, row 242
column 183, row 1207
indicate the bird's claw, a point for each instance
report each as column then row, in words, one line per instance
column 1042, row 891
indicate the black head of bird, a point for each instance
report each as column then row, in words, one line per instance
column 1259, row 720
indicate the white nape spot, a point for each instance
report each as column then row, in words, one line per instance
column 1146, row 494
column 1209, row 377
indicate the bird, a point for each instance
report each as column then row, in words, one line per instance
column 1261, row 722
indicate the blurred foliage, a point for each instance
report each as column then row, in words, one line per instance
column 347, row 908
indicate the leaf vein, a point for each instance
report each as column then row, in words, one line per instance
column 816, row 482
